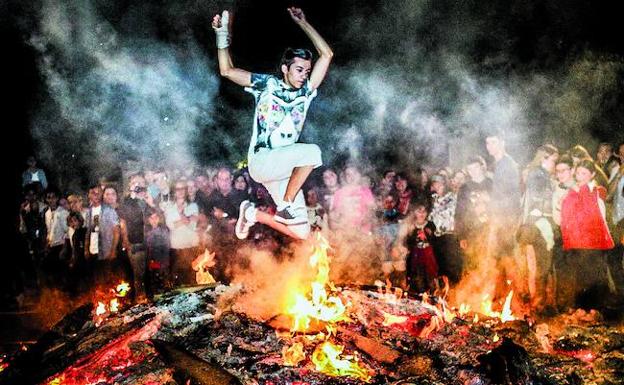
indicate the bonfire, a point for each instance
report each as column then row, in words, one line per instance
column 324, row 335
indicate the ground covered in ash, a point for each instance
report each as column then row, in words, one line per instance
column 198, row 336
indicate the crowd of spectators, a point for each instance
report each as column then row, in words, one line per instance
column 554, row 226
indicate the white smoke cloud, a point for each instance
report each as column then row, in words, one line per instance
column 130, row 98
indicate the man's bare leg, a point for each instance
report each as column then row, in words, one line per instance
column 268, row 220
column 297, row 179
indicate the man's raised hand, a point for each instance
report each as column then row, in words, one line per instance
column 220, row 23
column 296, row 14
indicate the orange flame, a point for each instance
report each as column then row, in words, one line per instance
column 326, row 358
column 201, row 265
column 316, row 303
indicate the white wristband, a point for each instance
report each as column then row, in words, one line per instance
column 223, row 39
column 223, row 33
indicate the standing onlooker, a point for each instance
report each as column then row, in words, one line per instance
column 504, row 212
column 181, row 219
column 536, row 235
column 385, row 185
column 223, row 204
column 416, row 237
column 56, row 225
column 329, row 188
column 158, row 245
column 33, row 174
column 133, row 214
column 404, row 193
column 586, row 238
column 442, row 215
column 317, row 216
column 33, row 228
column 471, row 212
column 102, row 238
column 564, row 172
column 75, row 253
column 353, row 204
column 616, row 198
column 388, row 231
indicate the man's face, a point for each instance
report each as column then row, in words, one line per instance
column 137, row 187
column 51, row 200
column 494, row 145
column 95, row 196
column 621, row 151
column 400, row 184
column 298, row 72
column 330, row 179
column 563, row 172
column 224, row 181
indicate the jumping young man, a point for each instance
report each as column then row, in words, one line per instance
column 275, row 158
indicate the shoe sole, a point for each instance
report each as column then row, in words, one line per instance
column 290, row 222
column 241, row 218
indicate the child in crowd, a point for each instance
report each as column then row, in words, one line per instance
column 416, row 238
column 388, row 230
column 158, row 260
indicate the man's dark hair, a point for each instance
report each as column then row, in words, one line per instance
column 291, row 53
column 54, row 191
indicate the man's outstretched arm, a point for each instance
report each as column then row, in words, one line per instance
column 322, row 64
column 220, row 23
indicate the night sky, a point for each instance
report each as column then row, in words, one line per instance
column 439, row 58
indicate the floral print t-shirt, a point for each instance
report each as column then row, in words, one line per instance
column 280, row 111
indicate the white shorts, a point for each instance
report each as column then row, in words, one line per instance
column 273, row 168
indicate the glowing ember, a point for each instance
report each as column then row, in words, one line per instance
column 326, row 358
column 122, row 289
column 114, row 305
column 111, row 304
column 201, row 265
column 3, row 364
column 101, row 308
column 108, row 364
column 293, row 355
column 391, row 319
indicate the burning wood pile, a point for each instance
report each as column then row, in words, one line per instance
column 325, row 335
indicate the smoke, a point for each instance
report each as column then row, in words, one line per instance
column 117, row 97
column 423, row 86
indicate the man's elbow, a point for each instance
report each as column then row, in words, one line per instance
column 328, row 53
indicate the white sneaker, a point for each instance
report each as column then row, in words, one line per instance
column 246, row 219
column 291, row 216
